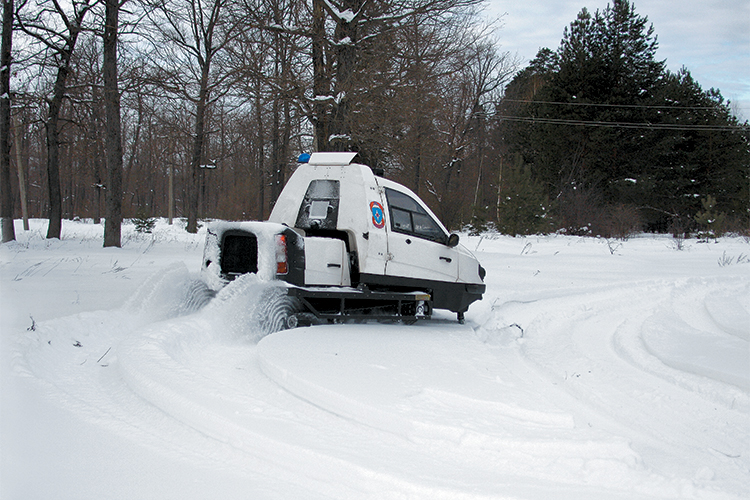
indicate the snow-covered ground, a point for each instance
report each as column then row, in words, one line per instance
column 592, row 369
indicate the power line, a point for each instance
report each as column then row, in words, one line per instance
column 593, row 104
column 629, row 125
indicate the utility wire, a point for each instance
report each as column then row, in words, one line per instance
column 652, row 126
column 640, row 106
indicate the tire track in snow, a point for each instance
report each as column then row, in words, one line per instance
column 294, row 441
column 495, row 431
column 180, row 367
column 159, row 363
column 591, row 348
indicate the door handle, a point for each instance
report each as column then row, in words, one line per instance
column 446, row 259
column 408, row 241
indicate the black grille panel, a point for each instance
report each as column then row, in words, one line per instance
column 239, row 254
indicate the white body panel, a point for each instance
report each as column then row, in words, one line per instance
column 468, row 266
column 331, row 159
column 326, row 262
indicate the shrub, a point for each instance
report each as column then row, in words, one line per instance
column 622, row 221
column 710, row 221
column 143, row 222
column 479, row 223
column 580, row 211
column 523, row 207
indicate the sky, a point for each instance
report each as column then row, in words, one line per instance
column 711, row 38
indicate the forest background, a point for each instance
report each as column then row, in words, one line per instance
column 198, row 109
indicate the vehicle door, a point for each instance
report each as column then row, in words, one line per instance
column 417, row 242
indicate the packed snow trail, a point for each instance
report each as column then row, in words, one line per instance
column 614, row 383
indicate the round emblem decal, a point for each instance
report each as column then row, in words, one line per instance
column 378, row 219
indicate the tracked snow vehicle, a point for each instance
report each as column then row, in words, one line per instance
column 348, row 244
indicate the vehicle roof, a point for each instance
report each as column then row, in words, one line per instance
column 331, row 159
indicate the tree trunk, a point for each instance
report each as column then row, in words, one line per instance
column 134, row 145
column 113, row 215
column 259, row 153
column 276, row 165
column 170, row 209
column 275, row 140
column 6, row 204
column 53, row 155
column 285, row 153
column 53, row 137
column 97, row 151
column 17, row 138
column 321, row 80
column 418, row 158
column 346, row 55
column 195, row 162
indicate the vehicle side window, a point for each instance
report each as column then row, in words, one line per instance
column 408, row 216
column 401, row 220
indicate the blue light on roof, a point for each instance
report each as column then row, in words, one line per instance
column 303, row 158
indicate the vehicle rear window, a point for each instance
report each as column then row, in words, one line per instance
column 320, row 206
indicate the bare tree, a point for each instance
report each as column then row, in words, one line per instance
column 113, row 221
column 476, row 82
column 252, row 91
column 191, row 35
column 18, row 132
column 343, row 54
column 6, row 205
column 451, row 73
column 276, row 74
column 55, row 30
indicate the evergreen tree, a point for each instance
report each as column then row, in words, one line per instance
column 710, row 221
column 602, row 114
column 688, row 165
column 606, row 66
column 522, row 206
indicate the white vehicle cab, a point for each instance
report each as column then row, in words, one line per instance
column 350, row 244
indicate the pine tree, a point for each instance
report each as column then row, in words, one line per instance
column 688, row 165
column 710, row 220
column 522, row 207
column 602, row 114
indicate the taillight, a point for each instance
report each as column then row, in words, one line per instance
column 281, row 261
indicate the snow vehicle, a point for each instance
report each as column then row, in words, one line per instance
column 345, row 243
